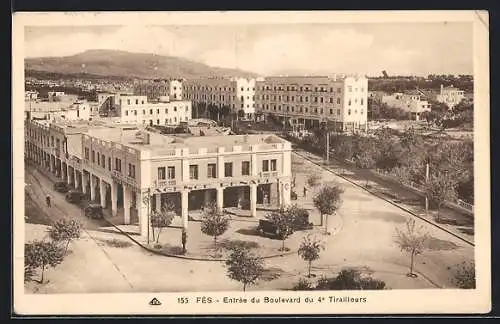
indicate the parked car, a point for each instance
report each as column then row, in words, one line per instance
column 267, row 227
column 74, row 196
column 94, row 210
column 60, row 186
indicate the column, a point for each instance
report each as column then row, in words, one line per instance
column 253, row 199
column 114, row 196
column 158, row 201
column 126, row 205
column 253, row 165
column 84, row 182
column 102, row 192
column 284, row 194
column 184, row 209
column 52, row 164
column 220, row 197
column 92, row 187
column 69, row 174
column 207, row 197
column 143, row 215
column 77, row 178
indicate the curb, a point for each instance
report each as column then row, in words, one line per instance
column 389, row 201
column 187, row 257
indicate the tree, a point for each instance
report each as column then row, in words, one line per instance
column 328, row 201
column 41, row 254
column 162, row 218
column 309, row 251
column 440, row 188
column 350, row 279
column 465, row 275
column 65, row 231
column 214, row 222
column 411, row 240
column 244, row 266
column 283, row 219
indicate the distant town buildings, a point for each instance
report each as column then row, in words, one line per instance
column 119, row 166
column 65, row 107
column 310, row 100
column 236, row 94
column 155, row 89
column 450, row 96
column 410, row 101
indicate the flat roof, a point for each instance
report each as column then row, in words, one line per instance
column 134, row 138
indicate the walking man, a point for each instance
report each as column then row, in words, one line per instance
column 47, row 200
column 305, row 191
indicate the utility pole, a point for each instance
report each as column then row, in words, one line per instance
column 426, row 181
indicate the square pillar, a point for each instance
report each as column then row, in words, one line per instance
column 77, row 179
column 102, row 192
column 253, row 199
column 69, row 174
column 220, row 198
column 143, row 215
column 184, row 209
column 114, row 196
column 52, row 164
column 158, row 201
column 285, row 194
column 207, row 197
column 126, row 205
column 84, row 182
column 92, row 187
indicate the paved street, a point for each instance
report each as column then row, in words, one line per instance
column 365, row 241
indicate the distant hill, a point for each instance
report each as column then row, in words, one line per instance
column 122, row 64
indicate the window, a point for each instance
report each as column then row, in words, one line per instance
column 245, row 168
column 93, row 156
column 150, row 111
column 212, row 170
column 166, row 110
column 361, row 111
column 338, row 101
column 143, row 112
column 349, row 103
column 128, row 101
column 265, row 165
column 315, row 99
column 349, row 88
column 331, row 89
column 273, row 165
column 187, row 108
column 361, row 100
column 339, row 90
column 157, row 111
column 331, row 111
column 118, row 164
column 103, row 161
column 109, row 163
column 228, row 169
column 193, row 172
column 171, row 172
column 307, row 99
column 338, row 112
column 136, row 101
column 175, row 108
column 161, row 173
column 86, row 153
column 349, row 111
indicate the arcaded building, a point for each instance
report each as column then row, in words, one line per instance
column 310, row 100
column 119, row 165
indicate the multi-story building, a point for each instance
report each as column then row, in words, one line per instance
column 137, row 110
column 450, row 96
column 55, row 110
column 410, row 102
column 311, row 100
column 119, row 166
column 154, row 89
column 237, row 94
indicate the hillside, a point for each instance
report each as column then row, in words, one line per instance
column 126, row 64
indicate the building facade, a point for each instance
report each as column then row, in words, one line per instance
column 311, row 100
column 133, row 172
column 450, row 96
column 236, row 94
column 410, row 102
column 154, row 89
column 137, row 110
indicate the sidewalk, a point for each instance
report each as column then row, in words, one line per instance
column 458, row 223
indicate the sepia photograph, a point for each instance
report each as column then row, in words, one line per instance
column 251, row 162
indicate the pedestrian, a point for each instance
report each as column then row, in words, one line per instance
column 305, row 191
column 184, row 240
column 47, row 200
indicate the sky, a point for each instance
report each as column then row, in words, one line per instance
column 398, row 48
